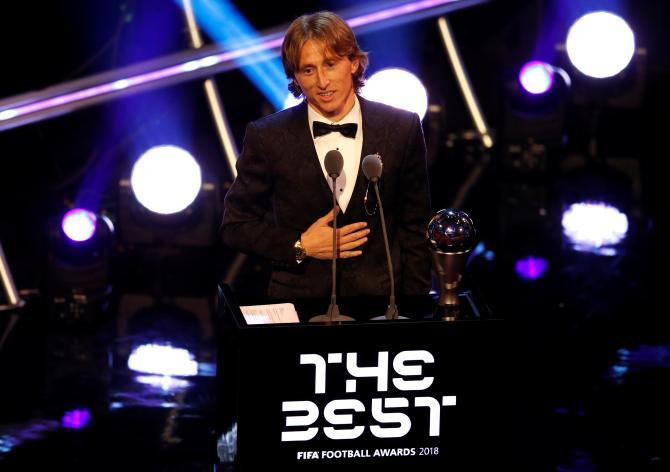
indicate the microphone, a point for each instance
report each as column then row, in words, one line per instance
column 334, row 162
column 372, row 168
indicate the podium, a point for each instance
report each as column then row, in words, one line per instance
column 365, row 395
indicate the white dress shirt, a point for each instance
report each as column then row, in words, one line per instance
column 350, row 148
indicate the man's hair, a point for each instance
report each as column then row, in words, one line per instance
column 333, row 32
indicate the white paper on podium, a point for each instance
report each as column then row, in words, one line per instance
column 269, row 314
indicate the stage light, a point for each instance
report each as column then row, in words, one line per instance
column 533, row 125
column 531, row 267
column 195, row 226
column 162, row 360
column 225, row 24
column 164, row 382
column 166, row 179
column 397, row 88
column 594, row 227
column 600, row 44
column 70, row 96
column 79, row 224
column 76, row 419
column 536, row 77
column 78, row 273
column 80, row 235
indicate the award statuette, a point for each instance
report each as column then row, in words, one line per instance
column 452, row 236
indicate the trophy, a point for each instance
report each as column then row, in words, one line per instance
column 452, row 235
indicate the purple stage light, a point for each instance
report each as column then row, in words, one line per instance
column 531, row 268
column 79, row 224
column 76, row 419
column 536, row 77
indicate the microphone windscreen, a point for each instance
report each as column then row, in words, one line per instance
column 334, row 162
column 372, row 166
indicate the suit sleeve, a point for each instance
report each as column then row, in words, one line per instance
column 248, row 223
column 413, row 215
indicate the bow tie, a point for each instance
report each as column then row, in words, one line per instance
column 347, row 130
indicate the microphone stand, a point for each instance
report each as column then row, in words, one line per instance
column 333, row 312
column 392, row 309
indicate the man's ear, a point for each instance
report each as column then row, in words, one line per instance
column 354, row 65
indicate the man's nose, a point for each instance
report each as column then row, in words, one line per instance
column 322, row 79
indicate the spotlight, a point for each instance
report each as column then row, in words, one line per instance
column 538, row 90
column 600, row 44
column 166, row 179
column 536, row 77
column 596, row 207
column 79, row 224
column 168, row 221
column 534, row 116
column 594, row 227
column 531, row 267
column 76, row 419
column 163, row 360
column 609, row 67
column 397, row 88
column 78, row 264
column 166, row 201
column 81, row 237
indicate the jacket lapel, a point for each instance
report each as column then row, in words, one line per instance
column 307, row 165
column 373, row 140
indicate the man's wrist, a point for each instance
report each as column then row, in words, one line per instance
column 300, row 253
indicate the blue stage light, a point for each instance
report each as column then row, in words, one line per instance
column 226, row 25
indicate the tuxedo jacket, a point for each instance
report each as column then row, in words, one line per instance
column 280, row 190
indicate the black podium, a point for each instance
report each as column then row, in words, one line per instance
column 364, row 395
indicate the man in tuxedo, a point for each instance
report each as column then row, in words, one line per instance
column 280, row 205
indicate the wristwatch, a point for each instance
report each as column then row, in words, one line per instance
column 300, row 253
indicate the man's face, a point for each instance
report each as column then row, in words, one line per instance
column 326, row 80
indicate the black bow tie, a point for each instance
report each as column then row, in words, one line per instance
column 348, row 129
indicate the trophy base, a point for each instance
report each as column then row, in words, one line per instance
column 447, row 312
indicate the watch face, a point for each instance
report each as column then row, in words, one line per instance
column 300, row 253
